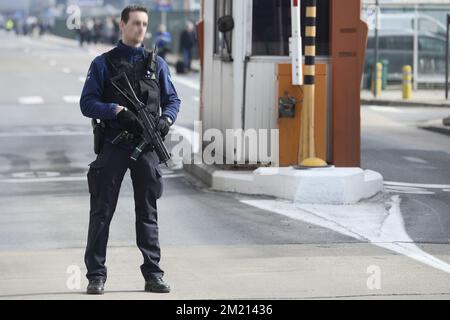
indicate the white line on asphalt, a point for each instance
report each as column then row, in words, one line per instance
column 34, row 180
column 418, row 185
column 408, row 190
column 446, row 190
column 71, row 99
column 386, row 109
column 415, row 160
column 365, row 222
column 67, row 179
column 31, row 100
column 186, row 82
column 45, row 134
column 35, row 174
column 172, row 176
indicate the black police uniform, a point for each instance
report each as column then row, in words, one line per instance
column 106, row 173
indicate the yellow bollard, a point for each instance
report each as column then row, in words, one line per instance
column 407, row 82
column 377, row 82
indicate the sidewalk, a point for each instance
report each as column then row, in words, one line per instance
column 297, row 271
column 393, row 97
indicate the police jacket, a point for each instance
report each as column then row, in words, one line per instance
column 99, row 99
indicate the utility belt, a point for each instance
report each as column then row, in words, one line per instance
column 101, row 132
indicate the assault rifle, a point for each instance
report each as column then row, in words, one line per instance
column 148, row 122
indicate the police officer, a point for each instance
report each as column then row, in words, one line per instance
column 100, row 100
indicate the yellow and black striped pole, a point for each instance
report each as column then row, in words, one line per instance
column 307, row 151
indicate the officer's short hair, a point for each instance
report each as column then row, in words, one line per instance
column 131, row 8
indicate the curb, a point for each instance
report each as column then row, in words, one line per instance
column 392, row 103
column 202, row 172
column 437, row 129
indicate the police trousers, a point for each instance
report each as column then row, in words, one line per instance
column 105, row 177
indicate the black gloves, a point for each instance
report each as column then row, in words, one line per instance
column 128, row 121
column 163, row 126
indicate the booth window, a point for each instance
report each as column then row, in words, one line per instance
column 271, row 27
column 222, row 8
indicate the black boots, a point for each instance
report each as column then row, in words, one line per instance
column 96, row 286
column 152, row 284
column 156, row 284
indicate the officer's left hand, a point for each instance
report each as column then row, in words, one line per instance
column 163, row 126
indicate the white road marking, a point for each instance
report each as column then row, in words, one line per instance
column 415, row 160
column 186, row 82
column 45, row 134
column 31, row 100
column 71, row 99
column 36, row 180
column 408, row 190
column 366, row 222
column 446, row 190
column 386, row 109
column 172, row 176
column 418, row 185
column 35, row 174
column 64, row 179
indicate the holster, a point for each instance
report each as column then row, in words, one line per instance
column 99, row 135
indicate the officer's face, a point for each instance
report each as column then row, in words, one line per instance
column 134, row 30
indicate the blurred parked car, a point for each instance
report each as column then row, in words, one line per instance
column 396, row 45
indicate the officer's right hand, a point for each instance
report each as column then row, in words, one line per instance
column 128, row 121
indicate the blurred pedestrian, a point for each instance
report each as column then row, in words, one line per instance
column 89, row 30
column 97, row 31
column 82, row 33
column 187, row 42
column 163, row 40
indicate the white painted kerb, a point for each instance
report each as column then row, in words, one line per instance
column 318, row 186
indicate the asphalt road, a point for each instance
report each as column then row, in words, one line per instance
column 46, row 147
column 414, row 164
column 227, row 248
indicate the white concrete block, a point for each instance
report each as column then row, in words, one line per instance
column 317, row 186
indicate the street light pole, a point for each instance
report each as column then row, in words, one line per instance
column 377, row 44
column 416, row 49
column 447, row 56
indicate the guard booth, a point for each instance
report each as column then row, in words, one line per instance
column 246, row 80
